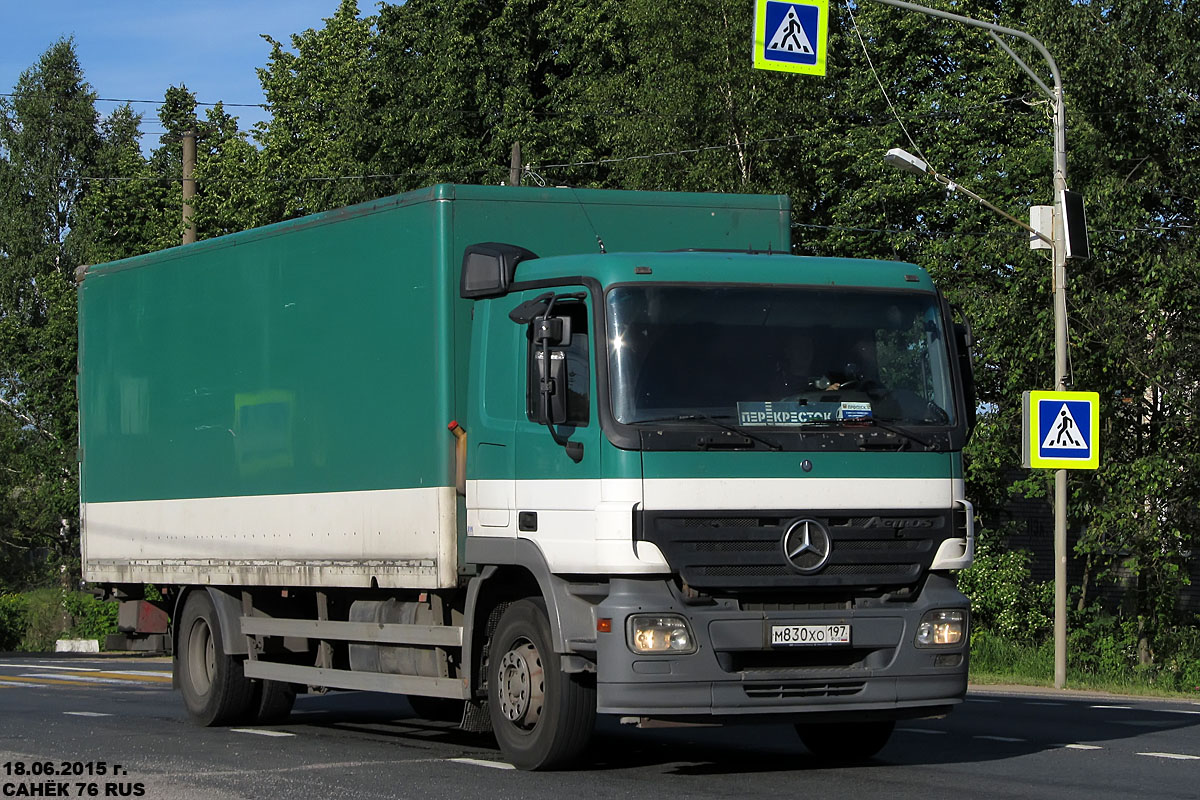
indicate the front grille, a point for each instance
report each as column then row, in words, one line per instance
column 869, row 550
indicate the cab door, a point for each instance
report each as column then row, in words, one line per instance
column 558, row 466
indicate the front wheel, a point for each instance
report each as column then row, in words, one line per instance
column 846, row 741
column 215, row 689
column 542, row 717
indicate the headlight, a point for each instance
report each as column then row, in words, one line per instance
column 941, row 627
column 660, row 633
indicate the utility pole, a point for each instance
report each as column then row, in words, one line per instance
column 189, row 184
column 514, row 167
column 1059, row 248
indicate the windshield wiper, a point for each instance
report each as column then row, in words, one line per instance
column 899, row 431
column 717, row 422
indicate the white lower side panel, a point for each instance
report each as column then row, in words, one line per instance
column 398, row 537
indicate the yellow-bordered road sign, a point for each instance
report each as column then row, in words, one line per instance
column 1061, row 430
column 791, row 36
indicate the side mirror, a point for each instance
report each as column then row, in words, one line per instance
column 488, row 269
column 554, row 331
column 552, row 397
column 963, row 341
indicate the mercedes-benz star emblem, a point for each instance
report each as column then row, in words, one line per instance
column 806, row 545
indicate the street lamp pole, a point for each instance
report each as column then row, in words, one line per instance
column 1059, row 249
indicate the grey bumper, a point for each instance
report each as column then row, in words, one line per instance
column 734, row 673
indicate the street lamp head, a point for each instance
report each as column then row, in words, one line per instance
column 904, row 160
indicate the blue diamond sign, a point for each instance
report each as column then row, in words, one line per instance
column 1061, row 430
column 791, row 36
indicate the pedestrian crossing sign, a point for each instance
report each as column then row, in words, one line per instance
column 791, row 36
column 1061, row 430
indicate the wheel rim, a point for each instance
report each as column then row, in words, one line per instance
column 202, row 657
column 522, row 687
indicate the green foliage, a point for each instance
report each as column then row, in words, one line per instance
column 1101, row 653
column 46, row 619
column 91, row 617
column 1004, row 599
column 12, row 621
column 33, row 621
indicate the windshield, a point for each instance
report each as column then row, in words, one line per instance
column 777, row 357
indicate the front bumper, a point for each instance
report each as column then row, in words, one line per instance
column 735, row 674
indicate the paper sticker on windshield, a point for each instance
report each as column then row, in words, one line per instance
column 794, row 413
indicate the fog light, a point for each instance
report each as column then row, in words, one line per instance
column 941, row 627
column 660, row 633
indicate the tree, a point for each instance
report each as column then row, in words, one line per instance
column 48, row 147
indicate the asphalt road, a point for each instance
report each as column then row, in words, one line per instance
column 85, row 716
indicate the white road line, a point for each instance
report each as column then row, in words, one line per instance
column 23, row 685
column 83, row 679
column 1123, row 708
column 86, row 714
column 922, row 730
column 478, row 762
column 47, row 666
column 999, row 738
column 1083, row 747
column 1173, row 756
column 258, row 732
column 1176, row 711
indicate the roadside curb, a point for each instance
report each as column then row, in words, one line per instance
column 1071, row 694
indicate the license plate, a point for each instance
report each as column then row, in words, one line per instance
column 788, row 635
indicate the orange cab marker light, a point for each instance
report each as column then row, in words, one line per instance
column 604, row 625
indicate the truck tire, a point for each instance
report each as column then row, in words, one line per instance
column 846, row 742
column 215, row 690
column 542, row 717
column 272, row 702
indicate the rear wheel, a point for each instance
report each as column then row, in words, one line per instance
column 542, row 717
column 215, row 689
column 846, row 741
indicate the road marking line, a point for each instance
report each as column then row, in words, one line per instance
column 86, row 714
column 1176, row 711
column 1173, row 756
column 47, row 666
column 1083, row 747
column 85, row 679
column 140, row 672
column 980, row 700
column 1000, row 738
column 1123, row 708
column 23, row 685
column 479, row 762
column 258, row 732
column 38, row 681
column 104, row 677
column 922, row 730
column 1032, row 703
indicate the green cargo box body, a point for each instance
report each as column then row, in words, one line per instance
column 271, row 407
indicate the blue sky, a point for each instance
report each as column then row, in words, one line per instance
column 135, row 49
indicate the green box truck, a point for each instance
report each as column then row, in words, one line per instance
column 532, row 455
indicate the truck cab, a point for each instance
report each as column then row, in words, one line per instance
column 748, row 466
